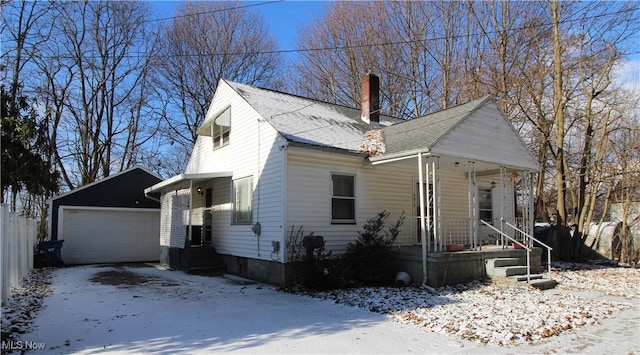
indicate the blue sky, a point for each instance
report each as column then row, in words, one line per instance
column 283, row 17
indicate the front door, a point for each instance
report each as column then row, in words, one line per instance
column 207, row 223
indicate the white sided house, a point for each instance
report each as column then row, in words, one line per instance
column 267, row 162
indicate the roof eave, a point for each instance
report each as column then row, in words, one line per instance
column 101, row 181
column 172, row 181
column 387, row 158
column 292, row 143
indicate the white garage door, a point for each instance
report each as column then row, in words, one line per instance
column 105, row 235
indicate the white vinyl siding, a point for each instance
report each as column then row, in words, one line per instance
column 309, row 184
column 254, row 149
column 174, row 218
column 378, row 188
column 473, row 140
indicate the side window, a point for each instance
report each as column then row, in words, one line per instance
column 485, row 204
column 343, row 199
column 242, row 195
column 221, row 129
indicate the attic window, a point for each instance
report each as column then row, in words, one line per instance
column 221, row 129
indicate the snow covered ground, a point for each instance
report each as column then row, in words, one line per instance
column 133, row 309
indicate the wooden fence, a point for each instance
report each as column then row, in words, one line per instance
column 18, row 239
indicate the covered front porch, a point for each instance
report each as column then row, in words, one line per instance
column 465, row 212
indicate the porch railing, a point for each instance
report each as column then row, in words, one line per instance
column 455, row 231
column 504, row 235
column 461, row 231
column 529, row 241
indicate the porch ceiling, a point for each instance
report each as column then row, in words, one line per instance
column 183, row 180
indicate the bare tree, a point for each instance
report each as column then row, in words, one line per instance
column 94, row 86
column 206, row 42
column 355, row 38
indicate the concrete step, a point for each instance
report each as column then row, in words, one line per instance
column 204, row 258
column 495, row 267
column 505, row 271
column 543, row 284
column 519, row 278
column 497, row 262
column 509, row 270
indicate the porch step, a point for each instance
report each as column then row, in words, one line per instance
column 202, row 258
column 543, row 284
column 503, row 267
column 505, row 271
column 519, row 278
column 502, row 262
column 509, row 270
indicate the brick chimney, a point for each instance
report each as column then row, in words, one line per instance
column 370, row 104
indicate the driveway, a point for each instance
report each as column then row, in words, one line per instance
column 137, row 309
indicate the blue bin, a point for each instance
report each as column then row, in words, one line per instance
column 53, row 250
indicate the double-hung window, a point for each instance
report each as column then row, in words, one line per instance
column 343, row 199
column 485, row 206
column 221, row 129
column 242, row 206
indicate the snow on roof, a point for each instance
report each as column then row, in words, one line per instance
column 308, row 121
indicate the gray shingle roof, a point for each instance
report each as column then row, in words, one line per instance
column 303, row 120
column 308, row 121
column 424, row 132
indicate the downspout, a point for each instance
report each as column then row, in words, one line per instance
column 503, row 196
column 190, row 207
column 531, row 215
column 423, row 229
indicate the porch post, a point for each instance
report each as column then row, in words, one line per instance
column 437, row 225
column 531, row 216
column 423, row 229
column 429, row 202
column 472, row 193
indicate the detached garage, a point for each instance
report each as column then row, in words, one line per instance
column 110, row 220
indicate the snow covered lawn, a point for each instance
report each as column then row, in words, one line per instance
column 129, row 309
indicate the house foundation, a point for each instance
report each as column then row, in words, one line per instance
column 270, row 272
column 451, row 268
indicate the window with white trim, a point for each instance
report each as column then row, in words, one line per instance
column 242, row 206
column 485, row 205
column 343, row 199
column 221, row 129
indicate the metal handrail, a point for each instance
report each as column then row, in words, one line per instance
column 517, row 242
column 549, row 249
